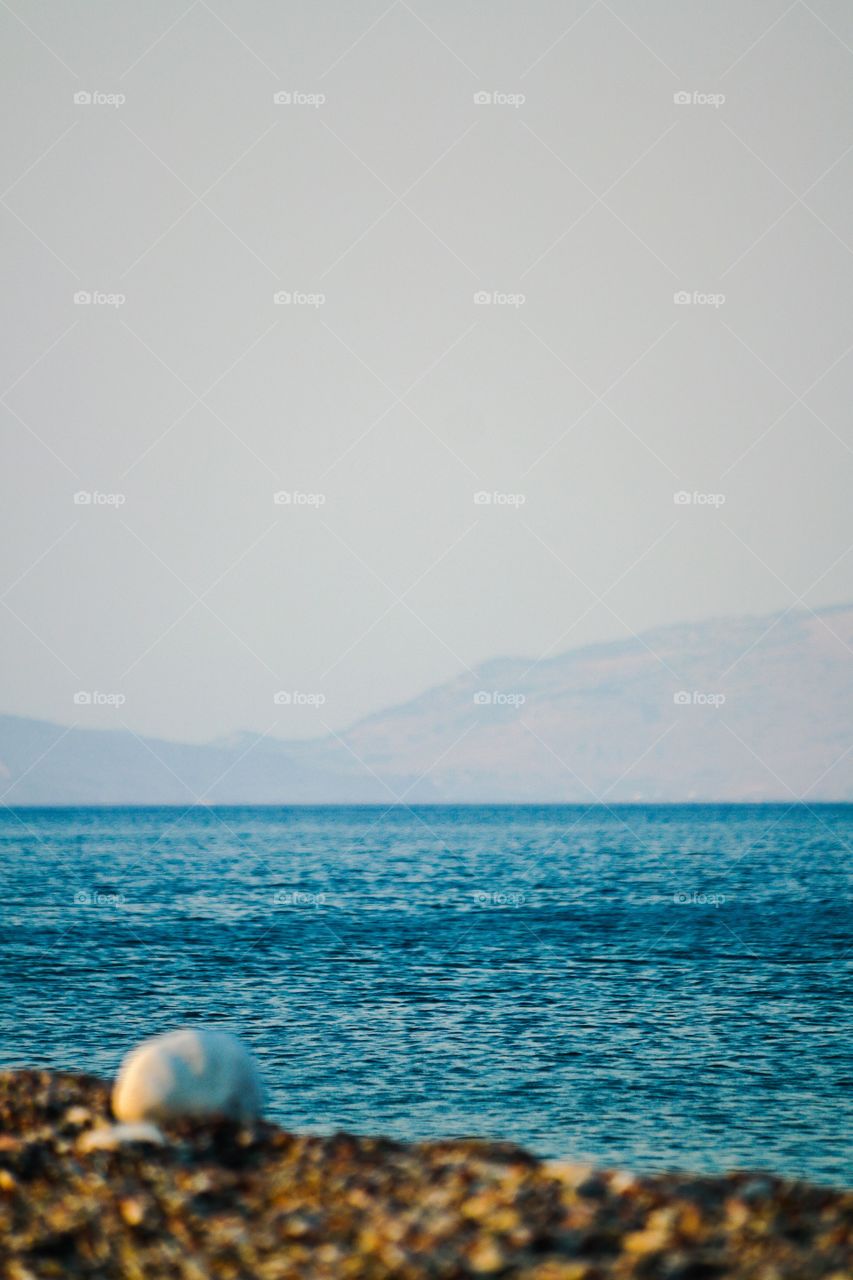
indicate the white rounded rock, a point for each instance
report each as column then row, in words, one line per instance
column 109, row 1137
column 196, row 1073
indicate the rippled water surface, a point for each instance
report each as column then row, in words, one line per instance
column 649, row 986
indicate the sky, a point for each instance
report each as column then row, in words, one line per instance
column 349, row 345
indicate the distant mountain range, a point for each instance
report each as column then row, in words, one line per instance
column 743, row 709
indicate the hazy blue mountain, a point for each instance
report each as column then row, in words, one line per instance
column 96, row 766
column 764, row 713
column 603, row 721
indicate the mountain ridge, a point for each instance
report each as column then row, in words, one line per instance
column 730, row 709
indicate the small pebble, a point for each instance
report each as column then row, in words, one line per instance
column 109, row 1137
column 132, row 1210
column 78, row 1116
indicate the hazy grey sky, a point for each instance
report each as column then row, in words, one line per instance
column 382, row 197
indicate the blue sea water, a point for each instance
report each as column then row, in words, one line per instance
column 652, row 987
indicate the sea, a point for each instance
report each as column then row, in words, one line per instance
column 652, row 987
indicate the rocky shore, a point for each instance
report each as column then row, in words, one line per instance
column 217, row 1200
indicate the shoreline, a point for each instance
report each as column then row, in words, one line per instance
column 216, row 1200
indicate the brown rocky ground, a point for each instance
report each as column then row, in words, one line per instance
column 221, row 1202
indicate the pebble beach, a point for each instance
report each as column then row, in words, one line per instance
column 216, row 1199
